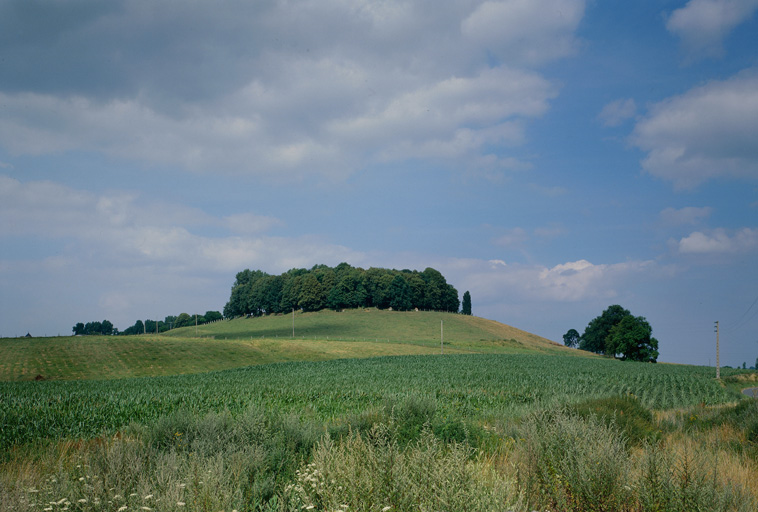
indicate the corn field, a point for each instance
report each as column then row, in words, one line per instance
column 477, row 387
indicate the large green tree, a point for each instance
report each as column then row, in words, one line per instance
column 597, row 331
column 632, row 339
column 400, row 294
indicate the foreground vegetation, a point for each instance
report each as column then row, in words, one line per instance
column 453, row 432
column 504, row 420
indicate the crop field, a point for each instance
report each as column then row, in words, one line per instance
column 478, row 387
column 244, row 417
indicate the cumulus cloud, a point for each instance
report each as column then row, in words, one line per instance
column 523, row 30
column 566, row 282
column 126, row 231
column 686, row 215
column 703, row 134
column 719, row 241
column 702, row 25
column 616, row 112
column 280, row 90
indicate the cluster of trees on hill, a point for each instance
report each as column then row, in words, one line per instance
column 618, row 333
column 150, row 326
column 172, row 322
column 257, row 293
column 105, row 327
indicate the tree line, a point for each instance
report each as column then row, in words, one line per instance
column 256, row 293
column 618, row 333
column 150, row 326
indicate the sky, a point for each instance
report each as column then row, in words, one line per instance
column 552, row 157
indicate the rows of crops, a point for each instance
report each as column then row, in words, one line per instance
column 477, row 386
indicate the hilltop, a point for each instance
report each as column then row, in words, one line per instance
column 319, row 336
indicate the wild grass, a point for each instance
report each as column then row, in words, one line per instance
column 553, row 459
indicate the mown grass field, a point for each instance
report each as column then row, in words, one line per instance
column 242, row 342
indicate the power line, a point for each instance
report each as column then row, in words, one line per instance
column 742, row 321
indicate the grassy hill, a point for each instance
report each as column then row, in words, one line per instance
column 318, row 336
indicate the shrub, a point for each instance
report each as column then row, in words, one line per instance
column 567, row 462
column 372, row 471
column 625, row 413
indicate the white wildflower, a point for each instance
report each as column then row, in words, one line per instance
column 385, row 509
column 147, row 497
column 122, row 509
column 82, row 500
column 180, row 503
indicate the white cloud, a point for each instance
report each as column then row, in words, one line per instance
column 686, row 215
column 250, row 224
column 703, row 24
column 703, row 134
column 525, row 31
column 285, row 91
column 513, row 238
column 616, row 112
column 124, row 230
column 491, row 281
column 719, row 241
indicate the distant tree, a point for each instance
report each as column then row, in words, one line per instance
column 312, row 295
column 212, row 316
column 400, row 294
column 93, row 328
column 597, row 331
column 466, row 307
column 571, row 338
column 78, row 329
column 632, row 338
column 106, row 328
column 184, row 320
column 744, row 365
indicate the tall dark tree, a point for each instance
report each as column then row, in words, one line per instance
column 312, row 295
column 78, row 329
column 571, row 338
column 466, row 306
column 400, row 294
column 632, row 339
column 212, row 316
column 597, row 331
column 106, row 327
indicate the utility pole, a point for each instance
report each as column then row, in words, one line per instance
column 442, row 337
column 718, row 369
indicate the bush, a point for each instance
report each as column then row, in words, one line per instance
column 372, row 471
column 567, row 462
column 625, row 413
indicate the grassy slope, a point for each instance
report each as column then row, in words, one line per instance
column 242, row 342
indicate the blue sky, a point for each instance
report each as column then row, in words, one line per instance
column 553, row 157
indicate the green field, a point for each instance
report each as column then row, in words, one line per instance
column 504, row 420
column 478, row 387
column 242, row 342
